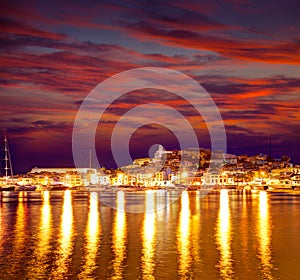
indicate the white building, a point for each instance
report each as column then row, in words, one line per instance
column 63, row 170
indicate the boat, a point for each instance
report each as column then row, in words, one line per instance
column 57, row 188
column 25, row 188
column 7, row 183
column 7, row 188
column 96, row 187
column 280, row 184
column 258, row 184
column 42, row 188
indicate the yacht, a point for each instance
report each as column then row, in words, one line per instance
column 7, row 183
column 280, row 184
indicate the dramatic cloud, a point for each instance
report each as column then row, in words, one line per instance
column 54, row 54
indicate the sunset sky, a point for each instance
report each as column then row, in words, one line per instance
column 53, row 53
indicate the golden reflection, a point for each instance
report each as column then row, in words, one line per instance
column 119, row 237
column 168, row 204
column 198, row 202
column 19, row 233
column 160, row 204
column 196, row 231
column 45, row 225
column 183, row 235
column 22, row 196
column 20, row 222
column 224, row 238
column 148, row 237
column 264, row 236
column 92, row 234
column 65, row 239
column 2, row 225
column 243, row 234
column 42, row 246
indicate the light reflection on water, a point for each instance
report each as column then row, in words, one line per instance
column 225, row 235
column 92, row 239
column 65, row 243
column 264, row 236
column 119, row 237
column 196, row 242
column 148, row 237
column 3, row 227
column 244, row 227
column 183, row 237
column 41, row 250
column 19, row 232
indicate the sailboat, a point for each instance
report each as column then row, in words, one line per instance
column 7, row 184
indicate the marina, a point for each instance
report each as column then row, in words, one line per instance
column 150, row 140
column 162, row 172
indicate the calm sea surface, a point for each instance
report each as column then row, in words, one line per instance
column 224, row 235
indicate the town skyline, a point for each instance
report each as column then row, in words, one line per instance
column 190, row 169
column 92, row 163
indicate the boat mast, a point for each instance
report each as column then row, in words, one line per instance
column 90, row 157
column 7, row 159
column 90, row 165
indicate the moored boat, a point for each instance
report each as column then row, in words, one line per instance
column 96, row 188
column 280, row 184
column 7, row 183
column 7, row 188
column 25, row 188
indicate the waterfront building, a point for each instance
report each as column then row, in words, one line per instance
column 145, row 179
column 43, row 179
column 25, row 181
column 69, row 177
column 295, row 180
column 160, row 177
column 103, row 179
column 224, row 179
column 231, row 159
column 73, row 180
column 62, row 170
column 122, row 179
column 168, row 169
column 141, row 161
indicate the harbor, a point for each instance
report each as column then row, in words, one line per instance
column 166, row 170
column 150, row 140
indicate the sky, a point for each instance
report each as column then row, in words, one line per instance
column 244, row 53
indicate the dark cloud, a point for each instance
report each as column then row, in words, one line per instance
column 229, row 46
